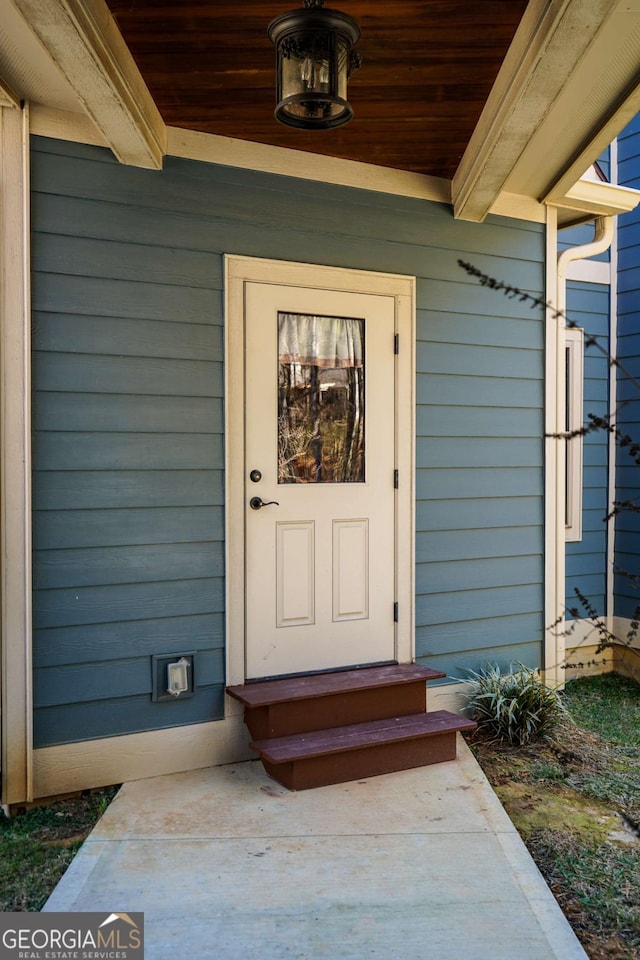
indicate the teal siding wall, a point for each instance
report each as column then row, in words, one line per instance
column 128, row 454
column 479, row 543
column 128, row 401
column 627, row 541
column 586, row 560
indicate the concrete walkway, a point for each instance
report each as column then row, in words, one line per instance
column 225, row 863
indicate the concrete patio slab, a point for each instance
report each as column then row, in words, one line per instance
column 226, row 863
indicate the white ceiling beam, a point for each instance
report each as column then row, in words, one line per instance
column 539, row 127
column 84, row 42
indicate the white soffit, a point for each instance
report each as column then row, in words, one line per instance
column 567, row 86
column 80, row 41
column 27, row 72
column 602, row 96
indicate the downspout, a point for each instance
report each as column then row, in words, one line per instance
column 602, row 239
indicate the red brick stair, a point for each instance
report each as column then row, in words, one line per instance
column 333, row 727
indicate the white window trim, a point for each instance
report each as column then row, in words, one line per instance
column 574, row 340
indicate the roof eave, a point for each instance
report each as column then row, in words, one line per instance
column 569, row 83
column 83, row 41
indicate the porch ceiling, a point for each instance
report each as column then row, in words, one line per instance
column 427, row 71
column 476, row 103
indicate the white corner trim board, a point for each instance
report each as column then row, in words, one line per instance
column 15, row 458
column 554, row 500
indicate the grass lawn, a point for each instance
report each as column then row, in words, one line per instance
column 575, row 800
column 37, row 846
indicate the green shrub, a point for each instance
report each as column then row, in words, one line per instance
column 515, row 706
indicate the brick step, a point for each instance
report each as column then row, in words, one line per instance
column 320, row 701
column 359, row 750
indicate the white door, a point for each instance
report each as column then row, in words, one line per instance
column 319, row 478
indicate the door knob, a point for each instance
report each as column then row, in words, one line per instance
column 257, row 503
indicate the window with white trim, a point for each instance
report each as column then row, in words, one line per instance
column 574, row 418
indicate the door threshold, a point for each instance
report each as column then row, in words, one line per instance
column 310, row 673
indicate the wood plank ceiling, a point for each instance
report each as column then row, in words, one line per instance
column 428, row 68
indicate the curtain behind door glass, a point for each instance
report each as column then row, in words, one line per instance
column 320, row 399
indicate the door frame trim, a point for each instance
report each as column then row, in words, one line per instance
column 239, row 271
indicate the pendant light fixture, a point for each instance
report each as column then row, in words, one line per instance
column 314, row 59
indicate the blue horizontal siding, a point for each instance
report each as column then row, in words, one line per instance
column 113, row 336
column 117, row 527
column 627, row 546
column 586, row 560
column 479, row 454
column 97, row 413
column 500, row 422
column 97, row 719
column 440, row 645
column 441, row 577
column 472, row 360
column 475, row 452
column 479, row 544
column 127, row 601
column 129, row 451
column 500, row 601
column 128, row 419
column 134, row 376
column 129, row 299
column 126, row 564
column 128, row 456
column 494, row 331
column 454, row 638
column 444, row 483
column 102, row 489
column 454, row 390
column 463, row 514
column 100, row 642
column 129, row 677
column 89, row 256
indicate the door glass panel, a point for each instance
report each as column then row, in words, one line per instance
column 320, row 399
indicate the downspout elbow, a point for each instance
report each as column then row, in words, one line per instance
column 602, row 239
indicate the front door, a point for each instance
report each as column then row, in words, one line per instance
column 319, row 478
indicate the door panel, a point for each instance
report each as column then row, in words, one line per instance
column 295, row 574
column 319, row 431
column 350, row 570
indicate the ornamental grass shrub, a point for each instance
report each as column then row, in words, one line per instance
column 515, row 707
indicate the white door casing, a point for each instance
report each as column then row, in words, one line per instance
column 312, row 580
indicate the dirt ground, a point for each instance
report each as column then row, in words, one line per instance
column 579, row 814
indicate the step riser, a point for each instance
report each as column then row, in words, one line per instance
column 363, row 763
column 324, row 713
